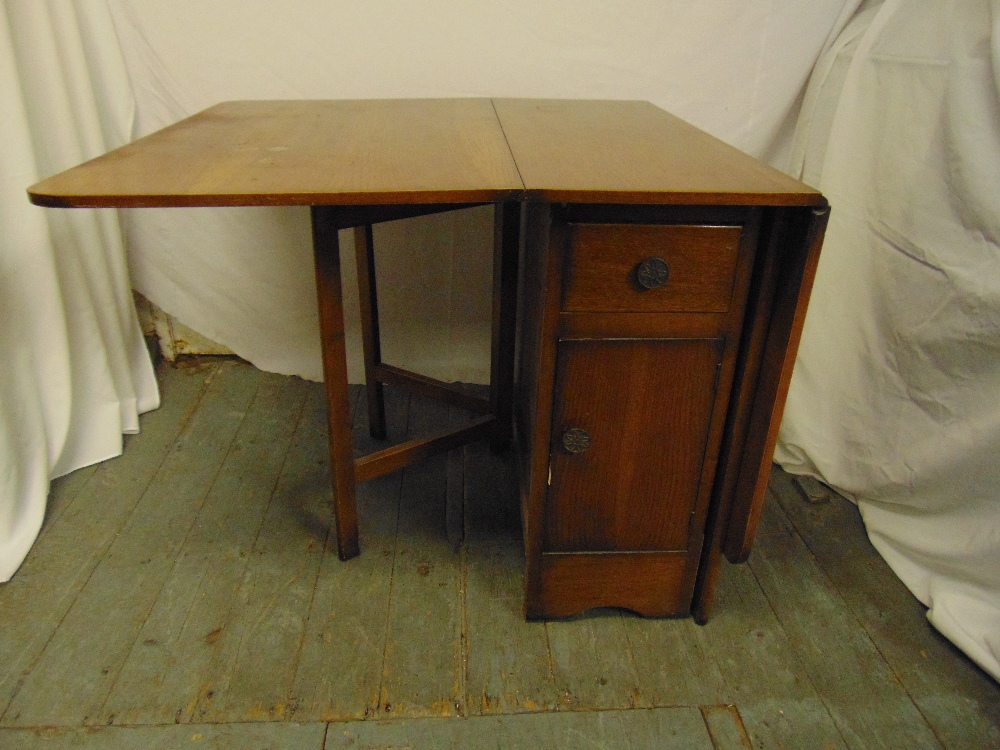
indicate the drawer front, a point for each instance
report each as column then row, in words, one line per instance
column 650, row 268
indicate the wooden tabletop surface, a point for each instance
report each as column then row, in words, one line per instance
column 405, row 151
column 582, row 151
column 310, row 152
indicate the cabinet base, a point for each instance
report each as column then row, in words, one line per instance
column 652, row 584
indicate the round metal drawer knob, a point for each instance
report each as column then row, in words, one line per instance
column 652, row 273
column 576, row 440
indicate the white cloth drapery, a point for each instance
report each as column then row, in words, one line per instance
column 895, row 398
column 74, row 371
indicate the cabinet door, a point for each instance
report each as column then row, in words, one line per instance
column 641, row 410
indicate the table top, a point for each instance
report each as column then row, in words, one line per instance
column 416, row 151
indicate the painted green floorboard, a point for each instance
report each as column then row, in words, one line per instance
column 63, row 491
column 195, row 580
column 667, row 728
column 509, row 669
column 421, row 670
column 592, row 662
column 84, row 655
column 870, row 707
column 959, row 700
column 182, row 630
column 663, row 729
column 726, row 728
column 73, row 542
column 776, row 698
column 258, row 736
column 252, row 671
column 340, row 665
column 675, row 662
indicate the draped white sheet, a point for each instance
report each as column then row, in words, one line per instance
column 74, row 371
column 895, row 398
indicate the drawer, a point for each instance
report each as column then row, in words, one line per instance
column 650, row 268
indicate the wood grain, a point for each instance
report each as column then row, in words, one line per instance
column 777, row 700
column 422, row 385
column 542, row 251
column 647, row 583
column 636, row 487
column 578, row 151
column 611, row 730
column 507, row 668
column 399, row 151
column 792, row 284
column 600, row 270
column 592, row 662
column 255, row 652
column 600, row 325
column 256, row 736
column 329, row 295
column 421, row 448
column 726, row 727
column 679, row 665
column 298, row 153
column 371, row 339
column 647, row 375
column 421, row 665
column 506, row 242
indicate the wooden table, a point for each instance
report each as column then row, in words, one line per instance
column 593, row 188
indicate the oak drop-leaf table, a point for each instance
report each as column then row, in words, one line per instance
column 650, row 281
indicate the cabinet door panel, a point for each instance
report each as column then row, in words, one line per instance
column 646, row 406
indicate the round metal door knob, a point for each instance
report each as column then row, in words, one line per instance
column 652, row 273
column 576, row 440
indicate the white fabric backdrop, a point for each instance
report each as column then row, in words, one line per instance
column 895, row 398
column 74, row 372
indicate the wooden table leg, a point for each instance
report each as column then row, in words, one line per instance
column 338, row 409
column 506, row 240
column 364, row 249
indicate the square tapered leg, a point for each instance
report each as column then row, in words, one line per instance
column 338, row 408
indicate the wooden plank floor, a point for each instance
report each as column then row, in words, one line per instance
column 188, row 594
